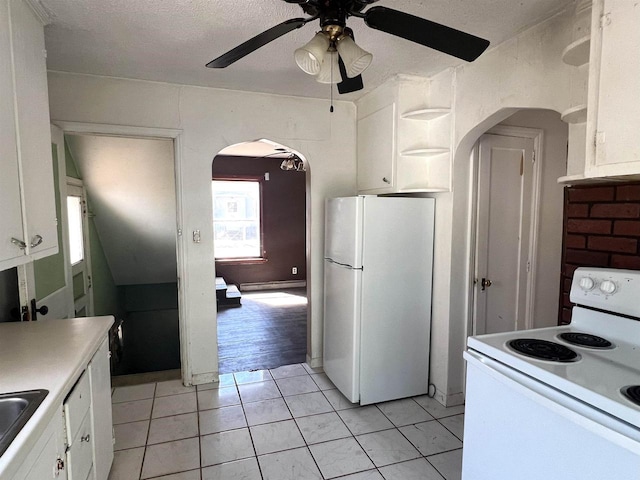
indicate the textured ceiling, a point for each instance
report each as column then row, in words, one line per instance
column 171, row 41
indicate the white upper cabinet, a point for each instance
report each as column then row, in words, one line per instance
column 9, row 185
column 27, row 172
column 613, row 122
column 404, row 136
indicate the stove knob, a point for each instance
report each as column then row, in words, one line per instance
column 608, row 287
column 586, row 284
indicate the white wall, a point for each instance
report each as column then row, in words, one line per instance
column 210, row 120
column 524, row 72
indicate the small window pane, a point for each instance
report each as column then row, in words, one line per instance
column 236, row 219
column 76, row 241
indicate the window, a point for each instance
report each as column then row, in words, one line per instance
column 236, row 219
column 76, row 241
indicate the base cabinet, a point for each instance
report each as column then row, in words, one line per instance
column 101, row 418
column 78, row 442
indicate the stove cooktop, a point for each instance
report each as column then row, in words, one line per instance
column 597, row 376
column 585, row 340
column 543, row 350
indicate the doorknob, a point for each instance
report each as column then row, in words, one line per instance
column 43, row 310
column 485, row 283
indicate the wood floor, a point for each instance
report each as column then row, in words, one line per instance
column 269, row 330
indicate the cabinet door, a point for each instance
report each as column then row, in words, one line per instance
column 100, row 378
column 79, row 454
column 46, row 465
column 376, row 151
column 34, row 138
column 11, row 215
column 618, row 79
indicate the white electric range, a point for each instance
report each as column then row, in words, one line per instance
column 560, row 402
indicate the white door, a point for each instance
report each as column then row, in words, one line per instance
column 504, row 233
column 47, row 281
column 79, row 258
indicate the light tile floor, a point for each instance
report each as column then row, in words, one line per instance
column 289, row 423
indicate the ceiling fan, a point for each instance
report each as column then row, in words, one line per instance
column 334, row 48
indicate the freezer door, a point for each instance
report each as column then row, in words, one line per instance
column 343, row 230
column 342, row 328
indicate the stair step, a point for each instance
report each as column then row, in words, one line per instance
column 232, row 297
column 233, row 292
column 221, row 288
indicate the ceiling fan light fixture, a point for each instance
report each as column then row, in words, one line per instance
column 310, row 57
column 330, row 69
column 356, row 60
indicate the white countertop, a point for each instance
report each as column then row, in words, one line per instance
column 50, row 355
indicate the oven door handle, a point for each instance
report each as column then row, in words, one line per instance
column 569, row 407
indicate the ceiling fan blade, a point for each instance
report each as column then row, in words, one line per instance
column 425, row 32
column 256, row 42
column 348, row 85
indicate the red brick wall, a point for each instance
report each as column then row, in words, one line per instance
column 601, row 229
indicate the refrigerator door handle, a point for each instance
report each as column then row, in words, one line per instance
column 342, row 264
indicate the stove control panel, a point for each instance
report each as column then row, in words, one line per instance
column 607, row 289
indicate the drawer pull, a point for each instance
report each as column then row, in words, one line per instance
column 85, row 438
column 386, row 180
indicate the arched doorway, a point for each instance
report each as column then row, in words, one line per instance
column 260, row 247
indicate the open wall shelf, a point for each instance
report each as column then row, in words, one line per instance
column 426, row 114
column 577, row 53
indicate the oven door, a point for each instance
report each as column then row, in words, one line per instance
column 519, row 428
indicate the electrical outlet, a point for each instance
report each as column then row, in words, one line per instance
column 294, row 270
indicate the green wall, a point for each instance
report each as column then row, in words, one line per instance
column 49, row 271
column 105, row 291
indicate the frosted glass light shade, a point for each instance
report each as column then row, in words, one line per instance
column 330, row 69
column 356, row 60
column 309, row 58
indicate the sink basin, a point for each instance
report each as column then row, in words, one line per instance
column 15, row 410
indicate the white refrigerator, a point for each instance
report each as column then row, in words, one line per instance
column 377, row 296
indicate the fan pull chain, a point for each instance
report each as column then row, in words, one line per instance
column 331, row 89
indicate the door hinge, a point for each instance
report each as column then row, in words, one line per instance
column 533, row 157
column 528, row 267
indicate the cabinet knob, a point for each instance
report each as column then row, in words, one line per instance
column 85, row 438
column 35, row 241
column 21, row 245
column 386, row 180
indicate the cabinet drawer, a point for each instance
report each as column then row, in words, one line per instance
column 80, row 454
column 76, row 406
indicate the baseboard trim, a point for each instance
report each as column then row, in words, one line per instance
column 247, row 287
column 314, row 362
column 450, row 400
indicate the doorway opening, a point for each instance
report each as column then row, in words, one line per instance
column 121, row 194
column 516, row 222
column 260, row 221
